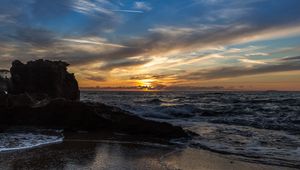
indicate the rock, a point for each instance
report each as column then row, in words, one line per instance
column 2, row 92
column 3, row 100
column 43, row 94
column 21, row 100
column 44, row 77
column 74, row 115
column 3, row 85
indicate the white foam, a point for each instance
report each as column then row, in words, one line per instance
column 16, row 141
column 275, row 147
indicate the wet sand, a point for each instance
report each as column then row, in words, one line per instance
column 105, row 154
column 194, row 159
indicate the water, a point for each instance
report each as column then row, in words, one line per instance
column 256, row 126
column 260, row 126
column 20, row 138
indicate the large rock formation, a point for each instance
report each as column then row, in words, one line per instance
column 74, row 115
column 3, row 85
column 4, row 81
column 44, row 77
column 44, row 94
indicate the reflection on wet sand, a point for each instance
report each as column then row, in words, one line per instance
column 85, row 155
column 92, row 154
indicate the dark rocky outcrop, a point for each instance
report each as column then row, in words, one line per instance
column 3, row 85
column 43, row 77
column 74, row 115
column 43, row 94
column 4, row 81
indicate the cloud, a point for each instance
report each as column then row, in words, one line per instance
column 35, row 36
column 142, row 6
column 96, row 78
column 124, row 63
column 195, row 88
column 104, row 7
column 257, row 54
column 296, row 58
column 244, row 60
column 165, row 39
column 160, row 41
column 210, row 1
column 228, row 14
column 4, row 18
column 174, row 31
column 93, row 7
column 81, row 46
column 162, row 88
column 281, row 65
column 93, row 41
column 227, row 2
column 128, row 11
column 149, row 76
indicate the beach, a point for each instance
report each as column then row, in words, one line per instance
column 229, row 130
column 110, row 154
column 149, row 85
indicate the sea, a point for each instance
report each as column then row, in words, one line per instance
column 255, row 126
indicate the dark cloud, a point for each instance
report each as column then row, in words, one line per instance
column 96, row 78
column 161, row 42
column 111, row 88
column 35, row 36
column 195, row 88
column 292, row 58
column 148, row 76
column 3, row 71
column 43, row 23
column 238, row 71
column 123, row 63
column 69, row 17
column 163, row 88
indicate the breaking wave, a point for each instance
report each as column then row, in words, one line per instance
column 262, row 126
column 25, row 139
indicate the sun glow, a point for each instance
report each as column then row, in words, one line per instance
column 146, row 84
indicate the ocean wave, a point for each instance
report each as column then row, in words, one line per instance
column 10, row 141
column 267, row 146
column 251, row 124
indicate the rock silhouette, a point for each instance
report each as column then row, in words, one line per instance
column 4, row 81
column 43, row 94
column 44, row 77
column 75, row 115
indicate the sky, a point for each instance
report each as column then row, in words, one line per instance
column 159, row 44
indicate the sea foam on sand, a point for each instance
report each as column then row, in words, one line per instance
column 24, row 140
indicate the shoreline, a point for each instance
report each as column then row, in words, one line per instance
column 109, row 154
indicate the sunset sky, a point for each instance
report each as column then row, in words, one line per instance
column 159, row 44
